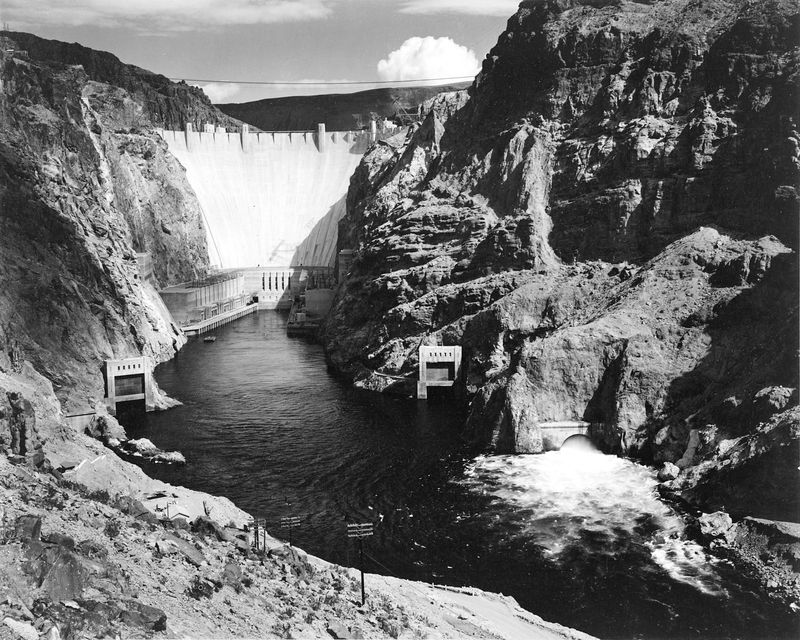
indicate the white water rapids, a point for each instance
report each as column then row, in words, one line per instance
column 564, row 498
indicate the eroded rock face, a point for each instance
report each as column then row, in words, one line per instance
column 149, row 185
column 606, row 222
column 85, row 183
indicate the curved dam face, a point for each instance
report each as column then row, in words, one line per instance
column 269, row 199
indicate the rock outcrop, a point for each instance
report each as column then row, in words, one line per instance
column 607, row 223
column 166, row 104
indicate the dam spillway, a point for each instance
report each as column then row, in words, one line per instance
column 270, row 199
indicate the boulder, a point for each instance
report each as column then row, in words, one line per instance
column 207, row 527
column 104, row 427
column 144, row 448
column 668, row 472
column 92, row 549
column 338, row 630
column 60, row 540
column 231, row 574
column 771, row 400
column 66, row 578
column 202, row 587
column 169, row 457
column 23, row 630
column 28, row 528
column 715, row 525
column 687, row 460
column 134, row 507
column 138, row 614
column 189, row 552
column 52, row 633
column 166, row 547
column 60, row 573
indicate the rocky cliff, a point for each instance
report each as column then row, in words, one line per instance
column 607, row 222
column 163, row 103
column 85, row 183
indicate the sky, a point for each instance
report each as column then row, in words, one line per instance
column 277, row 40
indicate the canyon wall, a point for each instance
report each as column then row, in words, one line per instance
column 606, row 221
column 85, row 183
column 269, row 199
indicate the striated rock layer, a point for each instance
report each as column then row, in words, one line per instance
column 607, row 222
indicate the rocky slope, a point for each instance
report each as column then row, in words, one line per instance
column 76, row 565
column 607, row 222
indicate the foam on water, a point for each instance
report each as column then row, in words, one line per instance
column 564, row 498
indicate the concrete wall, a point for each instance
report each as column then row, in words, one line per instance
column 192, row 302
column 269, row 199
column 276, row 287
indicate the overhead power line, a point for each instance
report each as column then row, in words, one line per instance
column 322, row 83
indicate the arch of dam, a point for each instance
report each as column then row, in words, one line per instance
column 269, row 199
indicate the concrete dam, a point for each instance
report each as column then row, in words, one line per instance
column 269, row 199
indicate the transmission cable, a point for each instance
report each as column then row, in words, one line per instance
column 321, row 83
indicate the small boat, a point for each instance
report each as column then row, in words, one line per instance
column 209, row 338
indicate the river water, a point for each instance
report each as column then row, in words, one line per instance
column 576, row 537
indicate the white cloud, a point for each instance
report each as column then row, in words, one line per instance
column 160, row 15
column 218, row 92
column 428, row 57
column 471, row 7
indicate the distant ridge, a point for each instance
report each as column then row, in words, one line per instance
column 337, row 111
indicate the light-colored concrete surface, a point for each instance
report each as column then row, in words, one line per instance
column 269, row 199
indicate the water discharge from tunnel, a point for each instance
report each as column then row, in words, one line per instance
column 578, row 442
column 560, row 499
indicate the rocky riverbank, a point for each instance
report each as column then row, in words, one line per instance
column 78, row 563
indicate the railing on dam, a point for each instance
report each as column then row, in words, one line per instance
column 356, row 141
column 247, row 136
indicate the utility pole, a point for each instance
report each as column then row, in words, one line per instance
column 360, row 531
column 289, row 523
column 259, row 530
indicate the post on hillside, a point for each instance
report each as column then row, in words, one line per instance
column 290, row 522
column 259, row 533
column 360, row 531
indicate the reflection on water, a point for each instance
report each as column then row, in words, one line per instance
column 578, row 538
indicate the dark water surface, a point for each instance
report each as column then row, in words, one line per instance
column 577, row 538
